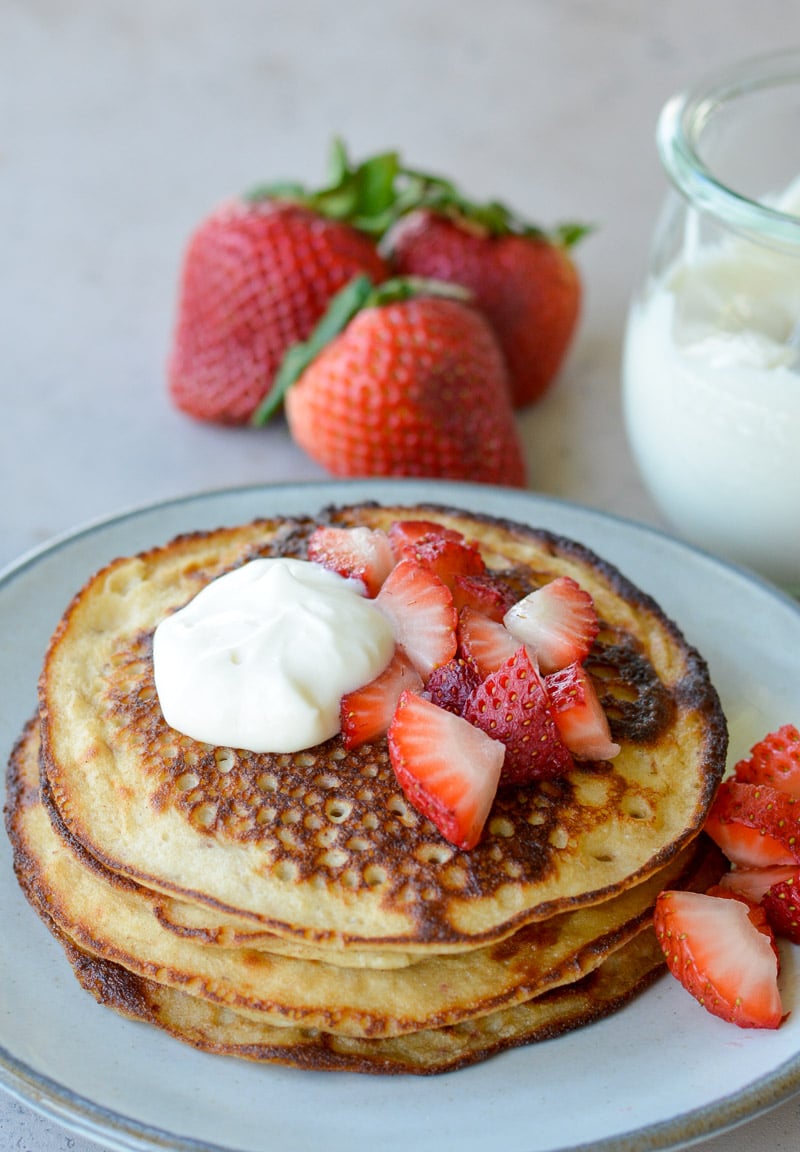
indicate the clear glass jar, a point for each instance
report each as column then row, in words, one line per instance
column 711, row 368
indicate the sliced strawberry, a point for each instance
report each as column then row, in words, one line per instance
column 755, row 825
column 361, row 553
column 484, row 642
column 405, row 534
column 775, row 760
column 420, row 609
column 781, row 905
column 446, row 557
column 755, row 911
column 724, row 959
column 485, row 593
column 448, row 770
column 512, row 706
column 451, row 684
column 558, row 621
column 367, row 712
column 754, row 883
column 579, row 715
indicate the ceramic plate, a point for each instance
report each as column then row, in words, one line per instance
column 657, row 1075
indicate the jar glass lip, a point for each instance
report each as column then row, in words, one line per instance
column 681, row 124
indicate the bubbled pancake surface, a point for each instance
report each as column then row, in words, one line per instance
column 111, row 919
column 321, row 846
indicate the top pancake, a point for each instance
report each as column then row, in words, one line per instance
column 321, row 845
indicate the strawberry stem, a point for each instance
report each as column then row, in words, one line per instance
column 375, row 194
column 363, row 195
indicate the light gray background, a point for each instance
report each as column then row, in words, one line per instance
column 123, row 123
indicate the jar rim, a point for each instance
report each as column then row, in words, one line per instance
column 681, row 123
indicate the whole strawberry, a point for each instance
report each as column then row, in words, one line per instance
column 406, row 383
column 523, row 280
column 257, row 275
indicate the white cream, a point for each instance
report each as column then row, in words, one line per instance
column 712, row 400
column 261, row 657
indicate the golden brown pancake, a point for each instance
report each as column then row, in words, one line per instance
column 321, row 846
column 110, row 917
column 545, row 979
column 296, row 908
column 211, row 1028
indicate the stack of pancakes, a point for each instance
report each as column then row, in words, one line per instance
column 295, row 908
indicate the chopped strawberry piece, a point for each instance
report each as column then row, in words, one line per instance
column 447, row 769
column 405, row 534
column 367, row 712
column 361, row 553
column 484, row 642
column 447, row 558
column 781, row 905
column 579, row 715
column 755, row 825
column 451, row 684
column 558, row 621
column 485, row 593
column 775, row 760
column 754, row 883
column 754, row 910
column 511, row 705
column 420, row 609
column 721, row 956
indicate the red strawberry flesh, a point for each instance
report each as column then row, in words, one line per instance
column 447, row 769
column 484, row 642
column 451, row 684
column 511, row 705
column 754, row 883
column 755, row 825
column 449, row 559
column 724, row 959
column 781, row 905
column 579, row 715
column 360, row 553
column 420, row 610
column 367, row 712
column 485, row 593
column 558, row 621
column 775, row 760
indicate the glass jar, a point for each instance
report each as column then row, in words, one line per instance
column 711, row 367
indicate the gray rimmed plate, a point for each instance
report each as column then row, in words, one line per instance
column 660, row 1074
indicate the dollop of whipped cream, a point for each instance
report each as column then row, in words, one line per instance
column 261, row 657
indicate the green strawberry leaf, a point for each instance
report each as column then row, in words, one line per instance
column 569, row 234
column 277, row 190
column 374, row 194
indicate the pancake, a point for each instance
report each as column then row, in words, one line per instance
column 321, row 847
column 210, row 1028
column 111, row 918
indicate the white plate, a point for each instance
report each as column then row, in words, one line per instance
column 657, row 1075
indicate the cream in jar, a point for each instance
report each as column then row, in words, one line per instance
column 711, row 388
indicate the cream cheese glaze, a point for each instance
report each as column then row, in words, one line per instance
column 261, row 657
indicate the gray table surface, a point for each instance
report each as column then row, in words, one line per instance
column 122, row 124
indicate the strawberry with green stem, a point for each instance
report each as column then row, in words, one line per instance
column 401, row 379
column 259, row 272
column 523, row 278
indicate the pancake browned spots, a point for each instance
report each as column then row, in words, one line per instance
column 340, row 816
column 321, row 844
